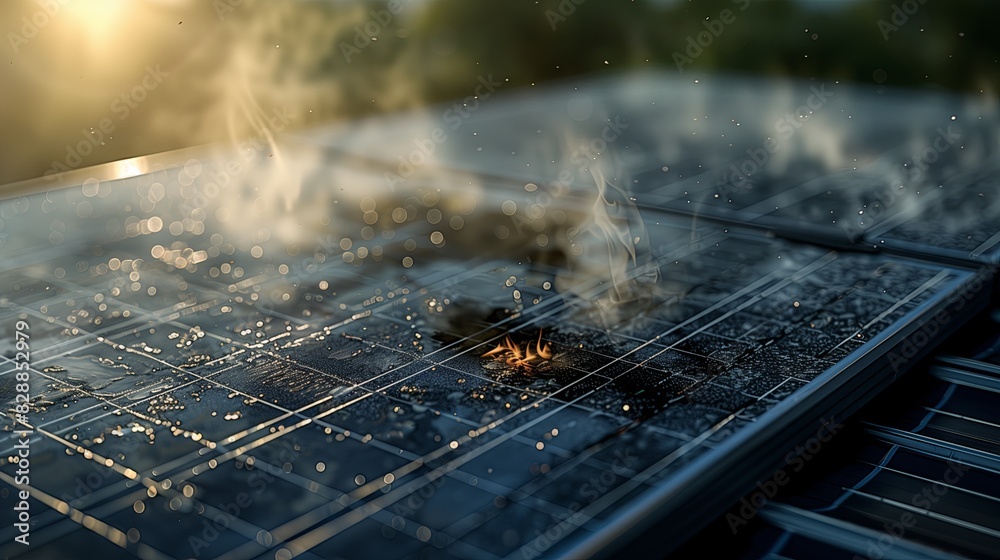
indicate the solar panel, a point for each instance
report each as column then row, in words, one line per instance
column 822, row 162
column 203, row 387
column 919, row 463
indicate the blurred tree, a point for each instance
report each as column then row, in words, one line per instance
column 342, row 60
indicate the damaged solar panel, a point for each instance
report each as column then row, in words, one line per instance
column 380, row 382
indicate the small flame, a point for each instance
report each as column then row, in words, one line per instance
column 512, row 354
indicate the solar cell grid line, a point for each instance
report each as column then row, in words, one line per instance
column 7, row 363
column 107, row 413
column 918, row 288
column 140, row 493
column 757, row 297
column 77, row 292
column 57, row 356
column 101, row 343
column 107, row 492
column 73, row 513
column 331, row 528
column 83, row 290
column 93, row 524
column 424, row 357
column 751, row 288
column 460, row 419
column 145, row 310
column 939, row 277
column 390, row 304
column 82, row 336
column 164, row 470
column 106, row 401
column 88, row 454
column 528, row 493
column 632, row 482
column 532, row 486
column 498, row 491
column 986, row 246
column 584, row 376
column 397, row 477
column 70, row 352
column 773, row 389
column 906, row 299
column 429, row 358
